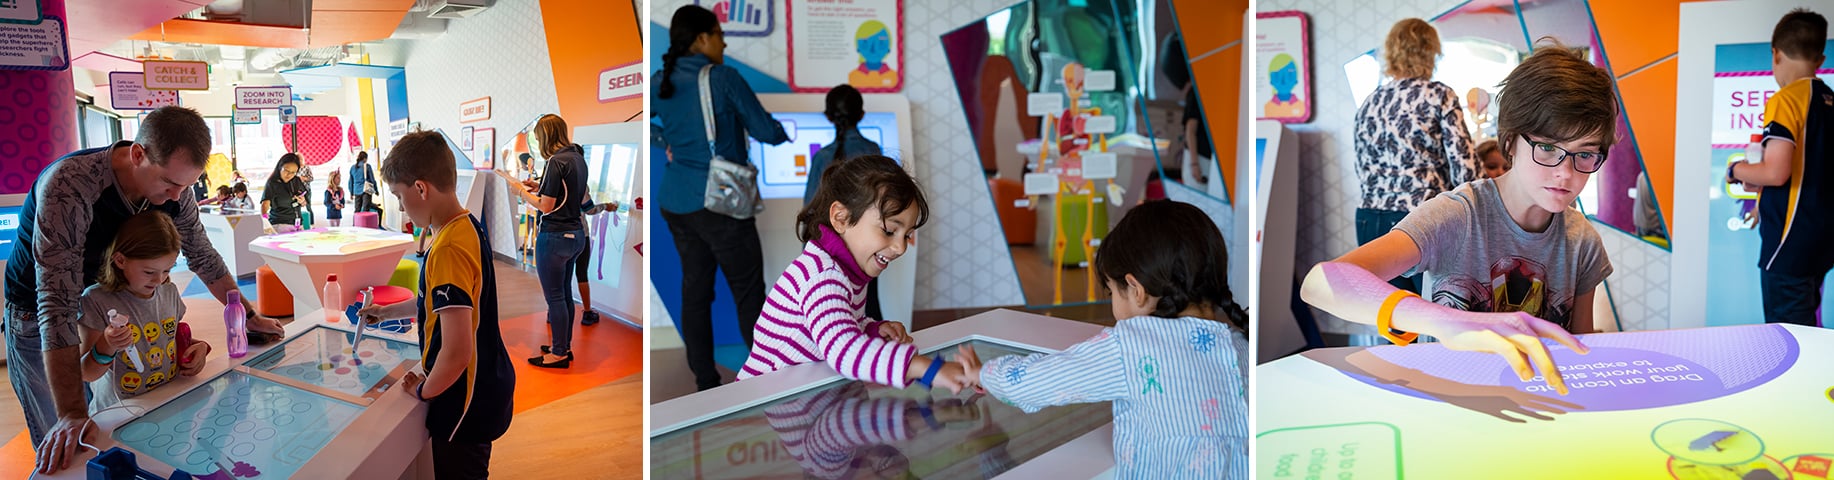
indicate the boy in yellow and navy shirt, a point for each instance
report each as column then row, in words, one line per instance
column 468, row 380
column 1793, row 179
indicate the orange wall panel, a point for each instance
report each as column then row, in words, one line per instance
column 1637, row 33
column 1207, row 25
column 181, row 30
column 1649, row 101
column 363, row 5
column 333, row 28
column 586, row 37
column 1634, row 35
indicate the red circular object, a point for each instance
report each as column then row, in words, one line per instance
column 390, row 295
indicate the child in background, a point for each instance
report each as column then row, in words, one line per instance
column 1793, row 179
column 865, row 213
column 334, row 198
column 1175, row 364
column 467, row 379
column 224, row 193
column 1490, row 158
column 1508, row 261
column 135, row 283
column 240, row 200
column 845, row 108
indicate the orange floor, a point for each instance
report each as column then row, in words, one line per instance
column 602, row 353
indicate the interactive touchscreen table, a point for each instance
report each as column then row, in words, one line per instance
column 360, row 257
column 309, row 407
column 1745, row 402
column 808, row 422
column 857, row 429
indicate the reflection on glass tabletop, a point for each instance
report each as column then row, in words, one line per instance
column 862, row 430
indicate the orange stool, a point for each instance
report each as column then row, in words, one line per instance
column 1020, row 223
column 271, row 297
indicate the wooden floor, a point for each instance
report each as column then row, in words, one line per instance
column 546, row 439
column 1034, row 267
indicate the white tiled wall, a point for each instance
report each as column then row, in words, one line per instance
column 501, row 53
column 1328, row 189
column 963, row 236
column 1639, row 285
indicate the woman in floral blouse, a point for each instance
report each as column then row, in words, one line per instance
column 1411, row 142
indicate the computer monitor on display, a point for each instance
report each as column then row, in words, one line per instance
column 1276, row 158
column 783, row 170
column 614, row 264
column 10, row 207
column 9, row 227
column 783, row 174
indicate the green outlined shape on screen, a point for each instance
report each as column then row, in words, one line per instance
column 1339, row 451
column 1707, row 442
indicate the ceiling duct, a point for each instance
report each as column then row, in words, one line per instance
column 271, row 59
column 224, row 10
column 453, row 9
column 319, row 57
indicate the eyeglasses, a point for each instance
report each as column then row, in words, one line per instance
column 1550, row 155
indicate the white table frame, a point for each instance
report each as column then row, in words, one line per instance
column 1092, row 452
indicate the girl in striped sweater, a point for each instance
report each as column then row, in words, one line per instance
column 865, row 213
column 1175, row 365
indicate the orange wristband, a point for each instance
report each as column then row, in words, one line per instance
column 1386, row 316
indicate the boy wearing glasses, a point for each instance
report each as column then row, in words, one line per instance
column 1505, row 261
column 1791, row 180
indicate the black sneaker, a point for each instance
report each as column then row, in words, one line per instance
column 589, row 318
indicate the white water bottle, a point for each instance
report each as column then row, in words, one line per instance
column 235, row 323
column 1754, row 152
column 333, row 299
column 131, row 354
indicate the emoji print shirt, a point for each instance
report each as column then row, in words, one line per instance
column 155, row 322
column 1178, row 385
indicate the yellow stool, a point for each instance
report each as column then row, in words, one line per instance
column 407, row 275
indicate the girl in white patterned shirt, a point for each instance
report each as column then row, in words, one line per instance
column 1176, row 374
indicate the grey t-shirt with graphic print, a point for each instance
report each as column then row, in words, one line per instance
column 155, row 322
column 1476, row 258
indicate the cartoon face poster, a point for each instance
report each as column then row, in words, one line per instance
column 859, row 43
column 1283, row 88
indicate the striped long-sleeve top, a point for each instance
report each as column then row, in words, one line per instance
column 816, row 313
column 1179, row 387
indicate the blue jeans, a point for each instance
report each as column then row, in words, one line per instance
column 25, row 367
column 555, row 253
